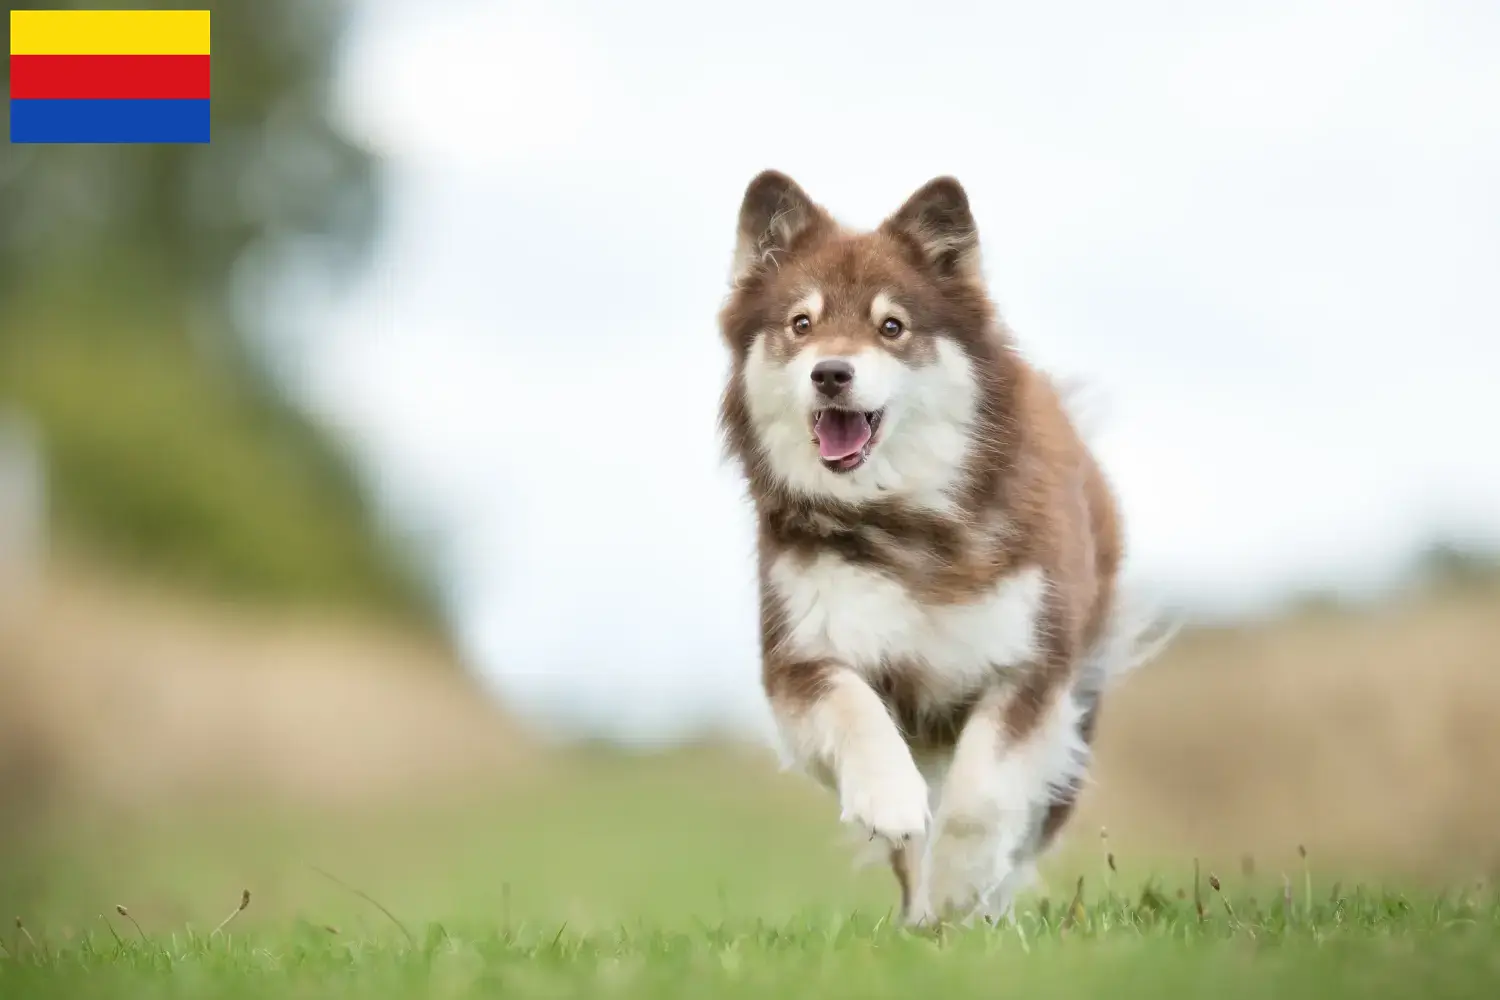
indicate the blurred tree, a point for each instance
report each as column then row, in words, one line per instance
column 169, row 442
column 1448, row 564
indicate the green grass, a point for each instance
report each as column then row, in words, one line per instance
column 1366, row 945
column 695, row 875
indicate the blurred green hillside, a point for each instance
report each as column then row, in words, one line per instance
column 170, row 448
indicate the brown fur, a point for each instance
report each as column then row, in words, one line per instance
column 1031, row 494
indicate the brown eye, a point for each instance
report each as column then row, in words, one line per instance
column 892, row 327
column 801, row 324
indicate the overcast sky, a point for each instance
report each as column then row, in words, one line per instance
column 1267, row 235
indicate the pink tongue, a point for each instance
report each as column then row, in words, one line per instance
column 841, row 434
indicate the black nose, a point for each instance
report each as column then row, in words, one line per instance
column 833, row 376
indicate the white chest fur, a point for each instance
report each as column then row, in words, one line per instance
column 864, row 619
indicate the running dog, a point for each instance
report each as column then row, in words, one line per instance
column 938, row 549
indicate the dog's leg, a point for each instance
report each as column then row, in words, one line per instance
column 835, row 726
column 904, row 861
column 1019, row 749
column 1048, row 820
column 907, row 862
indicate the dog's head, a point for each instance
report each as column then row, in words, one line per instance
column 859, row 357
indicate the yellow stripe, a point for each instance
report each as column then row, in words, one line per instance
column 109, row 32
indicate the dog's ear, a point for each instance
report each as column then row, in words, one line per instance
column 775, row 216
column 937, row 225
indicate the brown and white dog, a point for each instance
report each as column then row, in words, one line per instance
column 938, row 548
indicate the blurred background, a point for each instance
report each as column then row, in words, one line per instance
column 360, row 499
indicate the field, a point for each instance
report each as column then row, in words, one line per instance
column 656, row 878
column 811, row 958
column 399, row 839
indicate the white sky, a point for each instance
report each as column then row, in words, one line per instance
column 1267, row 234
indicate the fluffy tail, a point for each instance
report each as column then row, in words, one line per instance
column 1137, row 633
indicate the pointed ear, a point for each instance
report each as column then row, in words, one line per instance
column 774, row 216
column 939, row 227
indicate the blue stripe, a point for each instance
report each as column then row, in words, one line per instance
column 109, row 121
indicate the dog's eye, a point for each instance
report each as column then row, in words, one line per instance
column 801, row 324
column 892, row 327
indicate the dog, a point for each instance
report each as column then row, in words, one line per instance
column 938, row 549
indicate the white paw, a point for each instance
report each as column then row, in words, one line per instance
column 956, row 896
column 886, row 795
column 968, row 862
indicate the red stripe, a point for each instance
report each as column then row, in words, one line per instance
column 109, row 77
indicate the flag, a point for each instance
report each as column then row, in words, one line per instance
column 135, row 76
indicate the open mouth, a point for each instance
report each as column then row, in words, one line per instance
column 845, row 437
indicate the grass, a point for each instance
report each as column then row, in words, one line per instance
column 687, row 875
column 1367, row 945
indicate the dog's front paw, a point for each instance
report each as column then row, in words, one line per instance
column 886, row 795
